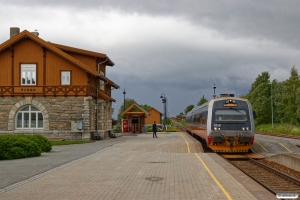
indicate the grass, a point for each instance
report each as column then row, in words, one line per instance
column 67, row 142
column 287, row 129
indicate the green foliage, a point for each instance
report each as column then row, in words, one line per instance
column 188, row 109
column 180, row 115
column 42, row 142
column 202, row 101
column 260, row 98
column 263, row 78
column 281, row 97
column 128, row 103
column 117, row 128
column 282, row 128
column 145, row 106
column 168, row 121
column 18, row 146
column 289, row 98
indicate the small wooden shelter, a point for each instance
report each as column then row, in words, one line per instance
column 136, row 118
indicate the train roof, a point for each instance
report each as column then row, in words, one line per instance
column 214, row 100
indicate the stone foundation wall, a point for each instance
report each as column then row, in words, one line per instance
column 59, row 114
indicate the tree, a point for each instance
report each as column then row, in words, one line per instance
column 263, row 78
column 180, row 115
column 202, row 101
column 128, row 103
column 289, row 99
column 145, row 106
column 260, row 98
column 188, row 109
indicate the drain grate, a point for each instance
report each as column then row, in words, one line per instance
column 154, row 178
column 158, row 162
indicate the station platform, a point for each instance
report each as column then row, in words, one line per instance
column 171, row 166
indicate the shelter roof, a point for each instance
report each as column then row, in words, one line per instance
column 135, row 109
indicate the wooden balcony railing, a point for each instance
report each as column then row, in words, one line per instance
column 78, row 90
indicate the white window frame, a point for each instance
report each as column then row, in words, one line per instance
column 28, row 72
column 29, row 113
column 65, row 77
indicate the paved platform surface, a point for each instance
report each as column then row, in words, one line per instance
column 269, row 145
column 130, row 167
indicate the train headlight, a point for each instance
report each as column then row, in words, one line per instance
column 247, row 128
column 215, row 128
column 219, row 129
column 243, row 128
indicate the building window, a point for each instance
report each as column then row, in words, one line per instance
column 101, row 81
column 29, row 117
column 28, row 74
column 65, row 77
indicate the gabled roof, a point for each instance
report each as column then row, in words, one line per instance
column 133, row 106
column 84, row 52
column 154, row 109
column 49, row 46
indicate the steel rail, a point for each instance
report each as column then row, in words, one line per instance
column 284, row 177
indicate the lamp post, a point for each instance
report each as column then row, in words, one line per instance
column 214, row 91
column 124, row 99
column 164, row 101
column 272, row 103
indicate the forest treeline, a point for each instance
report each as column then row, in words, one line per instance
column 280, row 98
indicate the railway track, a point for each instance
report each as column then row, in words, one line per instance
column 274, row 180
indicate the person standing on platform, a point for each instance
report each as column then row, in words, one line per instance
column 154, row 130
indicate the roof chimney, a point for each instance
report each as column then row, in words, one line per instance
column 35, row 33
column 14, row 31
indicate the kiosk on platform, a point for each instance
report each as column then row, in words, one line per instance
column 134, row 119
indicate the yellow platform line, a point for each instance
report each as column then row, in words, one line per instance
column 262, row 146
column 207, row 169
column 256, row 153
column 213, row 177
column 284, row 147
column 187, row 144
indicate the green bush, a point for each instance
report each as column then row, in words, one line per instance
column 43, row 142
column 22, row 146
column 117, row 128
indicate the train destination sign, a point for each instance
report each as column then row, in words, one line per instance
column 230, row 104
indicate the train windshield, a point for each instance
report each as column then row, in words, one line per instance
column 231, row 115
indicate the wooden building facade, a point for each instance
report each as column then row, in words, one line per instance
column 52, row 89
column 154, row 115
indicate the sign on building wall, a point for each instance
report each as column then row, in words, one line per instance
column 124, row 125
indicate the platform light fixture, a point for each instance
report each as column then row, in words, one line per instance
column 124, row 99
column 164, row 101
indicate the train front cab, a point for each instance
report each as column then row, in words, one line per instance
column 231, row 126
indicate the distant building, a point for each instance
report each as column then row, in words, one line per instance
column 155, row 115
column 58, row 91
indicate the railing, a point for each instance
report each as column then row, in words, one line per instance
column 79, row 90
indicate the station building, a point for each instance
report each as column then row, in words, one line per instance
column 57, row 91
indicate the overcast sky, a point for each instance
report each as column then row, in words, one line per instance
column 177, row 47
